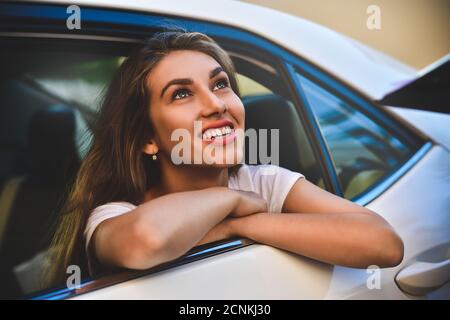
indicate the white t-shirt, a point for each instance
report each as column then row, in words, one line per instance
column 271, row 182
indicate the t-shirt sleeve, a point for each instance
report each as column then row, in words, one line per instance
column 282, row 182
column 271, row 182
column 103, row 212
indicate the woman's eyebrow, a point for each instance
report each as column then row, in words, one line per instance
column 187, row 81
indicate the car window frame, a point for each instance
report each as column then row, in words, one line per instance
column 367, row 114
column 372, row 110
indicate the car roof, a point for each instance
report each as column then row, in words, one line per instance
column 363, row 68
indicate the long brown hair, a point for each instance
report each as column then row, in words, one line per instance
column 115, row 168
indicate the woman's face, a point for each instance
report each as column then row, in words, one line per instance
column 190, row 91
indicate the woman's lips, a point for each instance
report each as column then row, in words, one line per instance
column 217, row 124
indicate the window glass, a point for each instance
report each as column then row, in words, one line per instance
column 363, row 151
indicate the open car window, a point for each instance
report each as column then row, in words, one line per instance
column 61, row 93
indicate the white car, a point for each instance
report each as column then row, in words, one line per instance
column 328, row 94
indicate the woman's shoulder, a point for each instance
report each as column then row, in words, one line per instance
column 270, row 181
column 103, row 212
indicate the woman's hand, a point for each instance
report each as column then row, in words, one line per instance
column 248, row 203
column 222, row 230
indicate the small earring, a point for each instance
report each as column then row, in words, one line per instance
column 154, row 157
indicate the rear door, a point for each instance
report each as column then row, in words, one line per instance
column 72, row 68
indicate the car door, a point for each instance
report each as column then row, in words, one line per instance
column 71, row 69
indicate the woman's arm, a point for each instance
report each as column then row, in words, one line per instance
column 325, row 227
column 166, row 227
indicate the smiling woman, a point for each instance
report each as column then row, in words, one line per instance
column 133, row 207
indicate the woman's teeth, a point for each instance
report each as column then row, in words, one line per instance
column 216, row 132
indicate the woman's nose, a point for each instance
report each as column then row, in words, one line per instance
column 213, row 104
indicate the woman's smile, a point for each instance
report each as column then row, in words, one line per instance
column 219, row 132
column 219, row 136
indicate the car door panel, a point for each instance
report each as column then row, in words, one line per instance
column 253, row 272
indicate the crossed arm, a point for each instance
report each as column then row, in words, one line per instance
column 314, row 223
column 322, row 226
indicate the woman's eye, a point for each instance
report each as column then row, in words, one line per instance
column 183, row 93
column 221, row 84
column 180, row 94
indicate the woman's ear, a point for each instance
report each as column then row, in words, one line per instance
column 150, row 148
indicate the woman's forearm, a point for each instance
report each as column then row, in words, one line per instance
column 354, row 239
column 181, row 219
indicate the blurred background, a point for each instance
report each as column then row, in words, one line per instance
column 413, row 31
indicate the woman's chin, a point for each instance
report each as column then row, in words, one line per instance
column 220, row 164
column 224, row 161
column 223, row 166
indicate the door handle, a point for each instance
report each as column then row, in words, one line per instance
column 423, row 277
